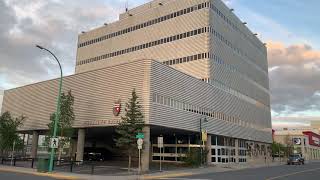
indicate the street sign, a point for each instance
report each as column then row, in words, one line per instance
column 140, row 136
column 297, row 141
column 140, row 142
column 204, row 135
column 54, row 143
column 160, row 142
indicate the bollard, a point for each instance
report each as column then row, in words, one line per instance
column 71, row 166
column 32, row 162
column 14, row 161
column 92, row 169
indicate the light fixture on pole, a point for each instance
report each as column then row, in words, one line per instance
column 201, row 138
column 57, row 115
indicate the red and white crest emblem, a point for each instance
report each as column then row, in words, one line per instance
column 117, row 108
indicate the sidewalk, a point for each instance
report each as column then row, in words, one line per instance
column 155, row 175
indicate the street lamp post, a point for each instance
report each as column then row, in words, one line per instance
column 201, row 140
column 57, row 116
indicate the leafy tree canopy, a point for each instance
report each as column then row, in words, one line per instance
column 65, row 121
column 8, row 131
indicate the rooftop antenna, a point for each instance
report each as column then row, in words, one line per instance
column 126, row 5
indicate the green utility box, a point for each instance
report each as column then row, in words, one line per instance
column 42, row 165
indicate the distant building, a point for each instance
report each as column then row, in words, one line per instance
column 305, row 142
column 315, row 124
column 188, row 60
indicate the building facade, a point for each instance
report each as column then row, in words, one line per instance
column 188, row 60
column 305, row 142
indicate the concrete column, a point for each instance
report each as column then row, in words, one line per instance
column 188, row 143
column 73, row 148
column 216, row 148
column 34, row 145
column 302, row 147
column 176, row 150
column 80, row 144
column 145, row 153
column 236, row 144
column 208, row 147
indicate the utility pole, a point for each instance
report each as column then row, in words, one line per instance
column 201, row 140
column 12, row 153
column 57, row 116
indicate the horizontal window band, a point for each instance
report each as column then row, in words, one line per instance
column 146, row 45
column 236, row 50
column 208, row 55
column 233, row 26
column 216, row 59
column 186, row 59
column 232, row 68
column 185, row 106
column 146, row 24
column 215, row 82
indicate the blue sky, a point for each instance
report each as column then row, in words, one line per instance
column 288, row 21
column 290, row 28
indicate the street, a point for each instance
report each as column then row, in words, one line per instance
column 308, row 171
column 284, row 172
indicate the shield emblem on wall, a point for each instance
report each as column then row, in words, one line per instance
column 116, row 108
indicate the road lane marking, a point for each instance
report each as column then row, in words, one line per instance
column 290, row 174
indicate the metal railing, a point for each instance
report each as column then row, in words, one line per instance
column 82, row 167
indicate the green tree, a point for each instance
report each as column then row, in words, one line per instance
column 8, row 132
column 194, row 158
column 277, row 149
column 64, row 128
column 132, row 123
column 288, row 145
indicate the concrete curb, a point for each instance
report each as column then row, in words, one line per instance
column 168, row 175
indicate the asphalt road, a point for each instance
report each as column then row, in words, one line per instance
column 310, row 171
column 20, row 176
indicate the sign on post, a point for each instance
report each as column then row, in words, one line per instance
column 140, row 136
column 160, row 145
column 204, row 135
column 139, row 143
column 160, row 142
column 54, row 143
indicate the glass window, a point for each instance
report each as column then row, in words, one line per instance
column 154, row 98
column 213, row 151
column 184, row 59
column 195, row 32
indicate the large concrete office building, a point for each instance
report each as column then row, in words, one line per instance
column 188, row 60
